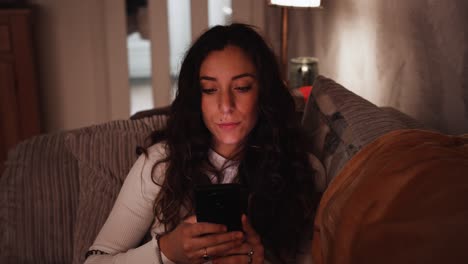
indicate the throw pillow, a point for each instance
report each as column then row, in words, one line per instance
column 340, row 123
column 38, row 202
column 105, row 154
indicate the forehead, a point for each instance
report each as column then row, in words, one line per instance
column 230, row 60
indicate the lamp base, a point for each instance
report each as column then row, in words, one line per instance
column 302, row 71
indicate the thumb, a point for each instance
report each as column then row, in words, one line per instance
column 191, row 219
column 252, row 236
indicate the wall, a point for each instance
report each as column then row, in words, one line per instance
column 79, row 70
column 412, row 55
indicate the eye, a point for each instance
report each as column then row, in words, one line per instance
column 208, row 90
column 244, row 89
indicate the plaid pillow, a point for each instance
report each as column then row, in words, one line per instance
column 340, row 123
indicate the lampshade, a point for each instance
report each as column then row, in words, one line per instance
column 296, row 3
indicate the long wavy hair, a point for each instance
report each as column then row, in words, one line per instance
column 273, row 166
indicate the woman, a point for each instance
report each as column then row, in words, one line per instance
column 233, row 120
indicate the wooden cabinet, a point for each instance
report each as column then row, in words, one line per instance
column 19, row 109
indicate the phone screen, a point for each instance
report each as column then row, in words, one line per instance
column 220, row 204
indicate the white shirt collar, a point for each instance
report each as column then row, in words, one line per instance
column 219, row 162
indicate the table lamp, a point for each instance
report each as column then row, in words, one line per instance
column 285, row 4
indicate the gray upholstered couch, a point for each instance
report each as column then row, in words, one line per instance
column 57, row 189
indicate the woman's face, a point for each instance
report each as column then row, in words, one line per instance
column 229, row 89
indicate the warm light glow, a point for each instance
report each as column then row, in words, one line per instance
column 296, row 3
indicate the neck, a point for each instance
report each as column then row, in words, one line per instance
column 230, row 152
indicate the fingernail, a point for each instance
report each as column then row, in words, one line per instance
column 239, row 235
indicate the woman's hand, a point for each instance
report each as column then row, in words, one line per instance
column 251, row 251
column 190, row 241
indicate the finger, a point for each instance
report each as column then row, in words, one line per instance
column 253, row 239
column 256, row 253
column 217, row 239
column 214, row 245
column 244, row 248
column 199, row 229
column 232, row 259
column 252, row 236
column 191, row 219
column 222, row 249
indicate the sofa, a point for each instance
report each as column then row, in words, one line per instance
column 57, row 189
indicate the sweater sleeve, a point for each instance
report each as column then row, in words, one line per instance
column 132, row 216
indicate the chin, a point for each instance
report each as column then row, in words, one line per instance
column 230, row 142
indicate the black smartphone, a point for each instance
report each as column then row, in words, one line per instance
column 221, row 204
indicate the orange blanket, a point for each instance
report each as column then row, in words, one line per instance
column 401, row 199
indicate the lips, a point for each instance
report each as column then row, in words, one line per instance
column 228, row 125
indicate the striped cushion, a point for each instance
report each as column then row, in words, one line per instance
column 38, row 202
column 105, row 154
column 340, row 123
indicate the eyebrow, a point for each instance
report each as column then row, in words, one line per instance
column 208, row 78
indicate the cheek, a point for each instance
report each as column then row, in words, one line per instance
column 253, row 105
column 252, row 111
column 205, row 105
column 206, row 109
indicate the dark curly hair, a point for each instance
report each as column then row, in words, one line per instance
column 273, row 166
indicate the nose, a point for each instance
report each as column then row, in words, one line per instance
column 226, row 102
